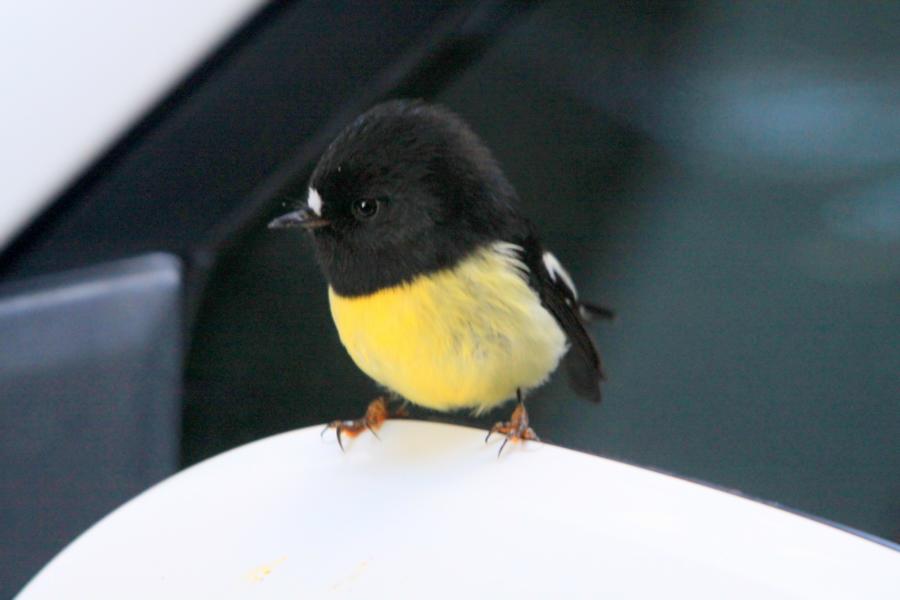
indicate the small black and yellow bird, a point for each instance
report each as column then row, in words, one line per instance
column 439, row 288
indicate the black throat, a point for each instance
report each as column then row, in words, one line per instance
column 353, row 271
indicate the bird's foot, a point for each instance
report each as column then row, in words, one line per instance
column 376, row 414
column 516, row 429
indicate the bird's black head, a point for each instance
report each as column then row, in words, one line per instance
column 405, row 189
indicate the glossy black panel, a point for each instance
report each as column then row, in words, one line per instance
column 90, row 401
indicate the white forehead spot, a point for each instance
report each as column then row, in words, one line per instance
column 557, row 272
column 314, row 200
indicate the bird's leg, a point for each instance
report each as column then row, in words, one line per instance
column 516, row 428
column 400, row 411
column 376, row 414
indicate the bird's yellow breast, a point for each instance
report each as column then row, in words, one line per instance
column 465, row 337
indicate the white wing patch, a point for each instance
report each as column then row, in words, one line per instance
column 558, row 273
column 512, row 253
column 508, row 250
column 314, row 200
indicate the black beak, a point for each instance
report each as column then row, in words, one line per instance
column 304, row 218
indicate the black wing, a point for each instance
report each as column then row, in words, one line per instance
column 558, row 295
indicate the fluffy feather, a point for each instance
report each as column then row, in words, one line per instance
column 466, row 337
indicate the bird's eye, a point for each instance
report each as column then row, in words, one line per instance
column 365, row 208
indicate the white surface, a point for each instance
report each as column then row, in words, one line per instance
column 429, row 511
column 76, row 74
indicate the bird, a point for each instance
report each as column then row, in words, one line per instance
column 438, row 285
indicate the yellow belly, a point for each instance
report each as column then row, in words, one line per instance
column 466, row 337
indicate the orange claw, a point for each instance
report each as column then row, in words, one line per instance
column 376, row 414
column 516, row 429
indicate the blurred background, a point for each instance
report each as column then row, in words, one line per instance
column 725, row 175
